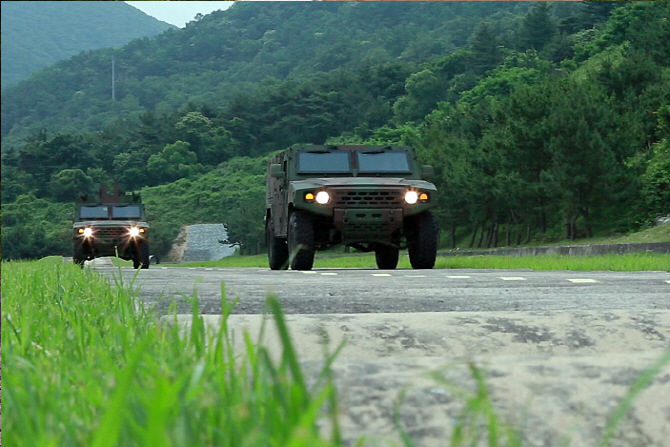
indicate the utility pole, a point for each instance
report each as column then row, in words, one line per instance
column 113, row 92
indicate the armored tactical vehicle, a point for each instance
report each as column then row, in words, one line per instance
column 371, row 198
column 113, row 225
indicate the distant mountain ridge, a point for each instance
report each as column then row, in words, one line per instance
column 36, row 34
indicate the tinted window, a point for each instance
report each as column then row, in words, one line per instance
column 383, row 162
column 94, row 212
column 323, row 162
column 126, row 212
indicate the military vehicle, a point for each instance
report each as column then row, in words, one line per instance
column 371, row 198
column 113, row 225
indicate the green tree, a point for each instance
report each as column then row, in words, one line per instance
column 174, row 162
column 485, row 49
column 68, row 184
column 537, row 28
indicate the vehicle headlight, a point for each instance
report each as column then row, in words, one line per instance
column 411, row 197
column 134, row 232
column 86, row 232
column 322, row 197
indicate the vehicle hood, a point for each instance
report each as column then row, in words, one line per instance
column 110, row 223
column 348, row 182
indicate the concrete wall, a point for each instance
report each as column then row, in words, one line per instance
column 576, row 250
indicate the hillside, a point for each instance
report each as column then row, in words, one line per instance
column 232, row 51
column 548, row 122
column 38, row 34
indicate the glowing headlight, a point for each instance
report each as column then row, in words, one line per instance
column 88, row 232
column 411, row 197
column 134, row 232
column 322, row 197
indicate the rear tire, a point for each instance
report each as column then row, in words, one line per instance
column 422, row 235
column 301, row 241
column 277, row 248
column 386, row 257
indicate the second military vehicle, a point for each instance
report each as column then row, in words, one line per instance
column 113, row 225
column 371, row 198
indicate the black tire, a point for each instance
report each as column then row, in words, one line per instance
column 277, row 248
column 78, row 256
column 422, row 236
column 387, row 257
column 141, row 255
column 301, row 241
column 144, row 255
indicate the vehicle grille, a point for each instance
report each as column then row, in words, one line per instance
column 367, row 199
column 110, row 232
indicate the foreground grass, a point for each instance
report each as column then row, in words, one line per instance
column 84, row 364
column 623, row 263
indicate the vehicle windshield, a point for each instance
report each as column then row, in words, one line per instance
column 323, row 163
column 94, row 212
column 126, row 212
column 383, row 162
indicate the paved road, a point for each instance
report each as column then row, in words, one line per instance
column 560, row 348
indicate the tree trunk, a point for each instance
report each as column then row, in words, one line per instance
column 474, row 236
column 587, row 222
column 495, row 234
column 481, row 236
column 543, row 222
column 453, row 236
column 508, row 237
column 527, row 240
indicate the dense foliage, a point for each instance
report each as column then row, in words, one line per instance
column 38, row 34
column 543, row 122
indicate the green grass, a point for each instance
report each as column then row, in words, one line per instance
column 86, row 365
column 628, row 262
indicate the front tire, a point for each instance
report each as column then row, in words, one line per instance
column 422, row 235
column 301, row 241
column 78, row 255
column 141, row 255
column 277, row 248
column 386, row 257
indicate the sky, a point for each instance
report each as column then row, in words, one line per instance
column 178, row 13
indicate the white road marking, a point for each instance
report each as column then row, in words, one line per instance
column 381, row 274
column 307, row 272
column 582, row 280
column 458, row 277
column 163, row 268
column 328, row 274
column 209, row 270
column 416, row 276
column 191, row 268
column 221, row 270
column 668, row 282
column 512, row 278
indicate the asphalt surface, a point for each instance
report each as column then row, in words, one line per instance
column 560, row 349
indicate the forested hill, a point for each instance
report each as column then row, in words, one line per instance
column 229, row 52
column 37, row 34
column 542, row 120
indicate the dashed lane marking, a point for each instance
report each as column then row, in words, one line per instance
column 328, row 274
column 209, row 270
column 307, row 272
column 582, row 280
column 512, row 278
column 163, row 268
column 381, row 274
column 668, row 282
column 458, row 277
column 416, row 276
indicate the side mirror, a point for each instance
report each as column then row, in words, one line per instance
column 276, row 171
column 427, row 171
